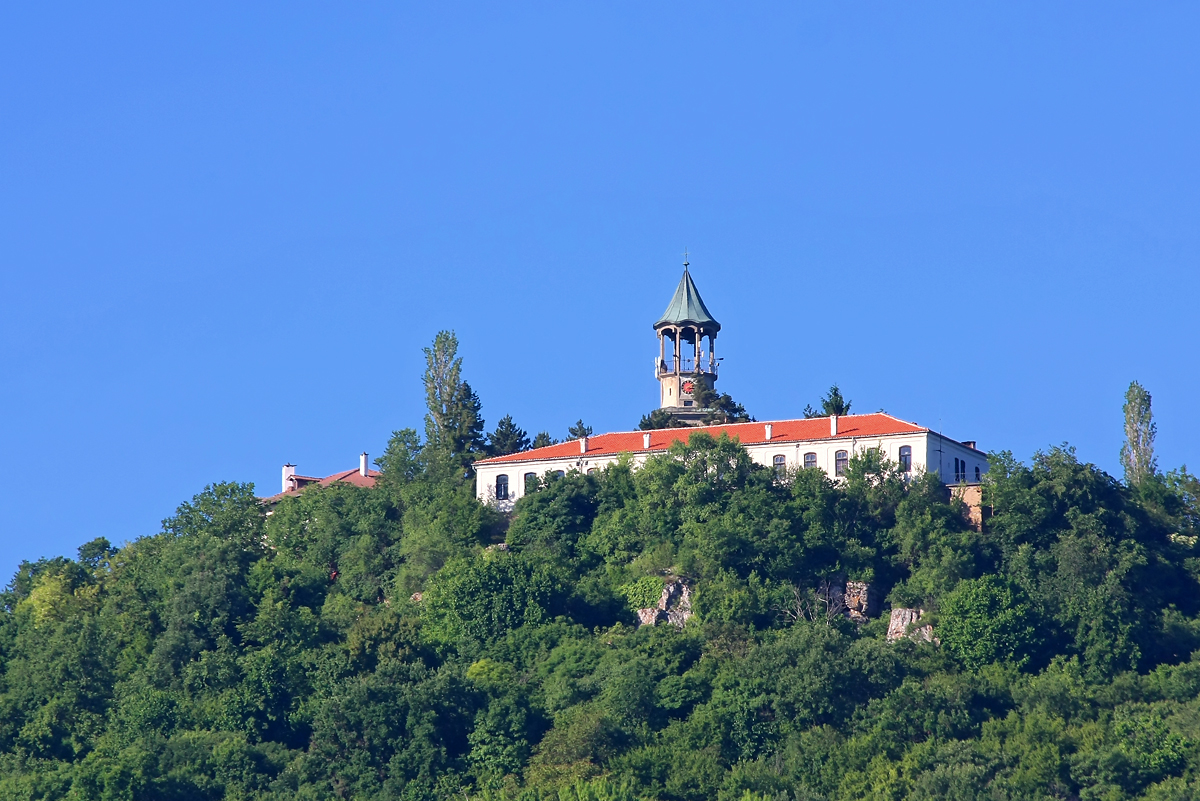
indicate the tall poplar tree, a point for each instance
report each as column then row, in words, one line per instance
column 454, row 422
column 1137, row 454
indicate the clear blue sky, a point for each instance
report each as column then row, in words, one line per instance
column 226, row 231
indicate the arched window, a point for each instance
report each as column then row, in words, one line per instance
column 810, row 460
column 559, row 473
column 502, row 487
column 905, row 458
column 780, row 462
column 591, row 470
column 840, row 460
column 977, row 476
column 530, row 483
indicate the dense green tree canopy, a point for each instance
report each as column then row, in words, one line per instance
column 408, row 642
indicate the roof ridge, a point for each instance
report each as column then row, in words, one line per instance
column 716, row 429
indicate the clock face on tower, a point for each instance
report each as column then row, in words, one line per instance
column 687, row 387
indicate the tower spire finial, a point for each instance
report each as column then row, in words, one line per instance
column 685, row 258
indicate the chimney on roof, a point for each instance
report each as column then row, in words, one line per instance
column 646, row 441
column 362, row 464
column 970, row 443
column 583, row 444
column 769, row 430
column 833, row 425
column 289, row 471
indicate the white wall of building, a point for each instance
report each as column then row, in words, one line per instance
column 931, row 452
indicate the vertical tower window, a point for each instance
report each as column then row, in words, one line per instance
column 502, row 487
column 810, row 460
column 977, row 476
column 905, row 458
column 780, row 462
column 840, row 460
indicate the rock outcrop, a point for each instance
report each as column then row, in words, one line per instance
column 674, row 605
column 853, row 599
column 858, row 600
column 900, row 621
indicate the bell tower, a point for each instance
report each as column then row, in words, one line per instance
column 683, row 365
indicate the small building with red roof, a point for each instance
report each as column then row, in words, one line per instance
column 293, row 483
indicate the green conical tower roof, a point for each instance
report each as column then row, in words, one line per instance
column 687, row 308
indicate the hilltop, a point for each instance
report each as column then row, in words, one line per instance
column 404, row 640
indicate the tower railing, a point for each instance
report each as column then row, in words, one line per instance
column 687, row 366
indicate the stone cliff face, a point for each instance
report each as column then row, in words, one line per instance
column 902, row 619
column 674, row 606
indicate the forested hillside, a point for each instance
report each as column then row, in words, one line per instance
column 371, row 644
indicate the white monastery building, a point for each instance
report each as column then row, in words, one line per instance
column 682, row 365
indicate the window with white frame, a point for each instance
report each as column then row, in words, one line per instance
column 780, row 463
column 531, row 482
column 840, row 460
column 502, row 487
column 905, row 458
column 810, row 460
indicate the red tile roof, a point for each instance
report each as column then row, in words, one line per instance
column 849, row 426
column 346, row 477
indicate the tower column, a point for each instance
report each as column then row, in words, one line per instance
column 677, row 341
column 696, row 362
column 662, row 352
